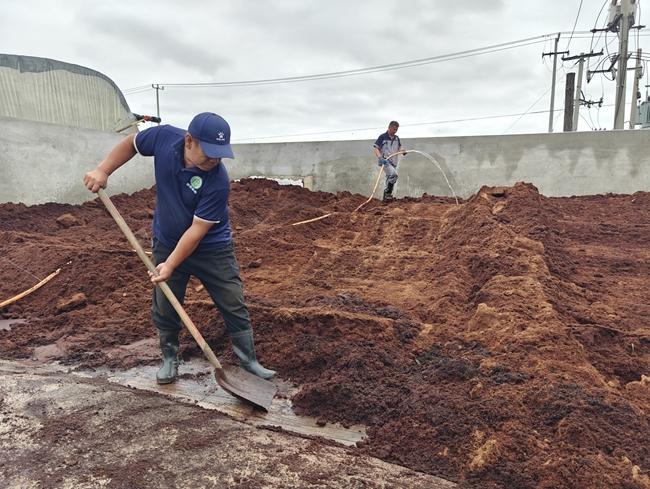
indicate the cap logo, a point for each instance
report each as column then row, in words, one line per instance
column 220, row 137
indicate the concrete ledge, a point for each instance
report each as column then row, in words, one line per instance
column 42, row 163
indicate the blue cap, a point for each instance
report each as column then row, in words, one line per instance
column 213, row 134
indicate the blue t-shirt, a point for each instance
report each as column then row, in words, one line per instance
column 184, row 193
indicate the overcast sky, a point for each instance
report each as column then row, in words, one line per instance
column 486, row 91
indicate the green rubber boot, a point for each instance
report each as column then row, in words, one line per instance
column 169, row 344
column 242, row 344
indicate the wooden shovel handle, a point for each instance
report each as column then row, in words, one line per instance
column 163, row 285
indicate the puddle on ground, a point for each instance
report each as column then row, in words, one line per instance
column 196, row 384
column 5, row 324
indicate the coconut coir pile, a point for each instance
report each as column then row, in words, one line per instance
column 502, row 342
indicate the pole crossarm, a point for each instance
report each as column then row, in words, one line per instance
column 582, row 56
column 557, row 52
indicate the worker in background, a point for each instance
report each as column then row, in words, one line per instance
column 191, row 228
column 387, row 144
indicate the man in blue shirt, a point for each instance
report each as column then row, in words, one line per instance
column 387, row 144
column 191, row 226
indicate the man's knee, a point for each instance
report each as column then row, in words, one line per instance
column 171, row 322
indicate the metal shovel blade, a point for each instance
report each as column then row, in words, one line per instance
column 246, row 386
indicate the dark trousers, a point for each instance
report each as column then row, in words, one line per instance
column 218, row 271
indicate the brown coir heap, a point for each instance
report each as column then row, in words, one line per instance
column 500, row 342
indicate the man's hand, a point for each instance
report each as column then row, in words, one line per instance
column 382, row 161
column 185, row 247
column 96, row 179
column 164, row 272
column 120, row 154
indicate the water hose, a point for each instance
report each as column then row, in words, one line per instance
column 29, row 291
column 378, row 177
column 312, row 220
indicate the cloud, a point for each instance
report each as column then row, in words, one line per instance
column 179, row 49
column 141, row 43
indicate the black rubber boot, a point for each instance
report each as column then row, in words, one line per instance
column 169, row 344
column 242, row 344
column 388, row 191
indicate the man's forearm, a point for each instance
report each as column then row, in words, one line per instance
column 188, row 242
column 186, row 245
column 120, row 154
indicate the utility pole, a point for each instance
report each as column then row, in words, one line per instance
column 554, row 54
column 621, row 75
column 576, row 103
column 157, row 88
column 568, row 102
column 576, row 108
column 637, row 74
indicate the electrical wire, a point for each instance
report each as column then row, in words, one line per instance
column 574, row 26
column 134, row 90
column 586, row 121
column 409, row 64
column 21, row 268
column 364, row 71
column 376, row 69
column 560, row 112
column 600, row 34
column 525, row 113
column 452, row 121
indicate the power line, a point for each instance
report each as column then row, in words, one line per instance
column 452, row 121
column 134, row 90
column 394, row 66
column 401, row 126
column 528, row 111
column 574, row 25
column 363, row 71
column 376, row 69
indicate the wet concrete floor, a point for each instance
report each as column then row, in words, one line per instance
column 197, row 384
column 66, row 429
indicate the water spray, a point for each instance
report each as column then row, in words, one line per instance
column 403, row 152
column 439, row 168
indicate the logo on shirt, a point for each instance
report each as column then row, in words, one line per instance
column 195, row 183
column 220, row 137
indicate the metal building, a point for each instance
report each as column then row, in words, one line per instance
column 46, row 90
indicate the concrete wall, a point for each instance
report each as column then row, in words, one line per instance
column 558, row 164
column 45, row 163
column 41, row 162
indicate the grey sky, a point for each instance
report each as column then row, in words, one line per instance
column 139, row 43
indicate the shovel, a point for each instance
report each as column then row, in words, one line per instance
column 234, row 380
